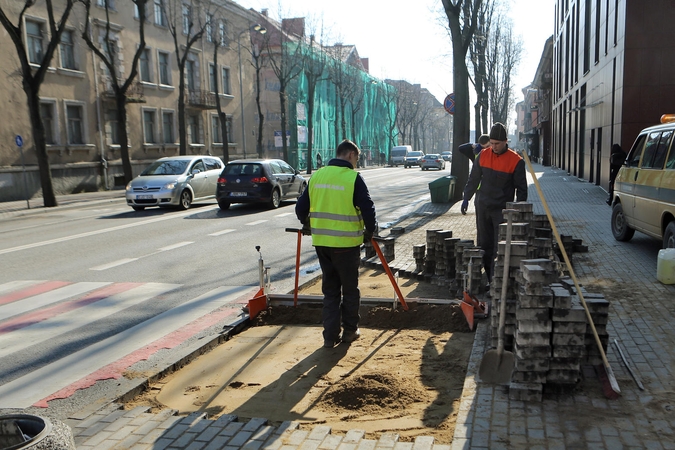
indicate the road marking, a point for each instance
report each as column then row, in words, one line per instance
column 39, row 326
column 31, row 289
column 218, row 233
column 284, row 214
column 96, row 232
column 31, row 388
column 48, row 298
column 178, row 245
column 257, row 222
column 119, row 262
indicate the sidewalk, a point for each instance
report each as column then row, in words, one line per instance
column 640, row 319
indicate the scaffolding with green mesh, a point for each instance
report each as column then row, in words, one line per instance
column 368, row 112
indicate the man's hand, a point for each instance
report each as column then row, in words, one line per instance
column 306, row 228
column 465, row 206
column 367, row 236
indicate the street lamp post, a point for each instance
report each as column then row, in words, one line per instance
column 262, row 30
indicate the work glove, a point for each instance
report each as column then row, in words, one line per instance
column 306, row 228
column 465, row 206
column 367, row 236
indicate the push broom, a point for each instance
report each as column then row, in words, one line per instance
column 610, row 387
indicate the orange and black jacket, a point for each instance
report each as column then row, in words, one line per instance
column 500, row 177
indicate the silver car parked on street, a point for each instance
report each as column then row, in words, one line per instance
column 175, row 181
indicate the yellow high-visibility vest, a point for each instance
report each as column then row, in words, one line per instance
column 334, row 219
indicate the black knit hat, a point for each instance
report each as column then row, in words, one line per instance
column 498, row 132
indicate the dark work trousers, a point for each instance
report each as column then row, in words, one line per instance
column 488, row 220
column 340, row 287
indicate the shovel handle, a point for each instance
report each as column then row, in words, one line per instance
column 297, row 263
column 376, row 246
column 505, row 280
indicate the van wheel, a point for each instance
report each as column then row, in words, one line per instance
column 620, row 228
column 669, row 235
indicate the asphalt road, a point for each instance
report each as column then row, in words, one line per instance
column 83, row 287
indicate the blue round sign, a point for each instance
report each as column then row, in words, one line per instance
column 449, row 103
column 19, row 140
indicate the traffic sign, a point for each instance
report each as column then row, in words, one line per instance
column 18, row 140
column 449, row 103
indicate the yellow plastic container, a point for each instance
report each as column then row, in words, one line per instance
column 665, row 266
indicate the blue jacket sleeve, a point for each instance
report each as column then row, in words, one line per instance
column 302, row 207
column 363, row 201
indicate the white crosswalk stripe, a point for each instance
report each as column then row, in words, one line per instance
column 29, row 321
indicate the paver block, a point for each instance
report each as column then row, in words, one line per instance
column 539, row 352
column 527, row 392
column 532, row 339
column 534, row 326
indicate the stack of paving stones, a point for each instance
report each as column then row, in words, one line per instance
column 534, row 339
column 441, row 267
column 430, row 261
column 461, row 269
column 472, row 263
column 598, row 307
column 387, row 248
column 449, row 255
column 419, row 253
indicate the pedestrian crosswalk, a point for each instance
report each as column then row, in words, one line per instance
column 35, row 314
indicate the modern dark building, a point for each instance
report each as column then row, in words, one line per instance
column 612, row 76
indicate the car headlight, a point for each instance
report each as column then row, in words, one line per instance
column 170, row 186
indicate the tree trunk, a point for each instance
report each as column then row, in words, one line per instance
column 182, row 131
column 121, row 113
column 282, row 103
column 261, row 116
column 48, row 196
column 461, row 129
column 310, row 125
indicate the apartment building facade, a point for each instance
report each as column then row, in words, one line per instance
column 77, row 104
column 612, row 64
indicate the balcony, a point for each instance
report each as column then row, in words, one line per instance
column 134, row 93
column 200, row 99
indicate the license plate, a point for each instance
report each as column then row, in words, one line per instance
column 144, row 197
column 238, row 194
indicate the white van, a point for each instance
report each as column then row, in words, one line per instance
column 398, row 154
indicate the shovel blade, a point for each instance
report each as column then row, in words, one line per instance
column 496, row 368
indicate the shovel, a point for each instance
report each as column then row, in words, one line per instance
column 497, row 365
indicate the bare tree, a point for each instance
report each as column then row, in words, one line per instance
column 462, row 21
column 337, row 76
column 284, row 56
column 389, row 95
column 31, row 79
column 106, row 49
column 258, row 61
column 219, row 39
column 314, row 67
column 477, row 53
column 354, row 94
column 503, row 56
column 185, row 23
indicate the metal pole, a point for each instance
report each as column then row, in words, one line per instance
column 241, row 95
column 25, row 182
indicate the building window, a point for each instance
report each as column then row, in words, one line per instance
column 149, row 127
column 187, row 19
column 191, row 75
column 167, row 127
column 74, row 116
column 216, row 131
column 226, row 81
column 212, row 77
column 67, row 50
column 164, row 69
column 34, row 41
column 144, row 63
column 110, row 4
column 208, row 30
column 160, row 16
column 47, row 113
column 222, row 34
column 111, row 130
column 193, row 128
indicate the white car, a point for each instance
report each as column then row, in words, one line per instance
column 432, row 161
column 175, row 181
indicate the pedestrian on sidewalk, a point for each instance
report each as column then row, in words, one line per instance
column 470, row 150
column 616, row 159
column 500, row 173
column 337, row 206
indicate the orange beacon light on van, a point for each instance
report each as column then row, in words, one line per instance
column 668, row 118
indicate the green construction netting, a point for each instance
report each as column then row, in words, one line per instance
column 368, row 112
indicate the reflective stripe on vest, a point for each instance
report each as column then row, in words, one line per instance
column 334, row 219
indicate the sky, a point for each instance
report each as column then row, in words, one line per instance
column 407, row 40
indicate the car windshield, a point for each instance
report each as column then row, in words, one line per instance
column 243, row 169
column 415, row 154
column 167, row 167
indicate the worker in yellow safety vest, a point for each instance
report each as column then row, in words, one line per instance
column 341, row 215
